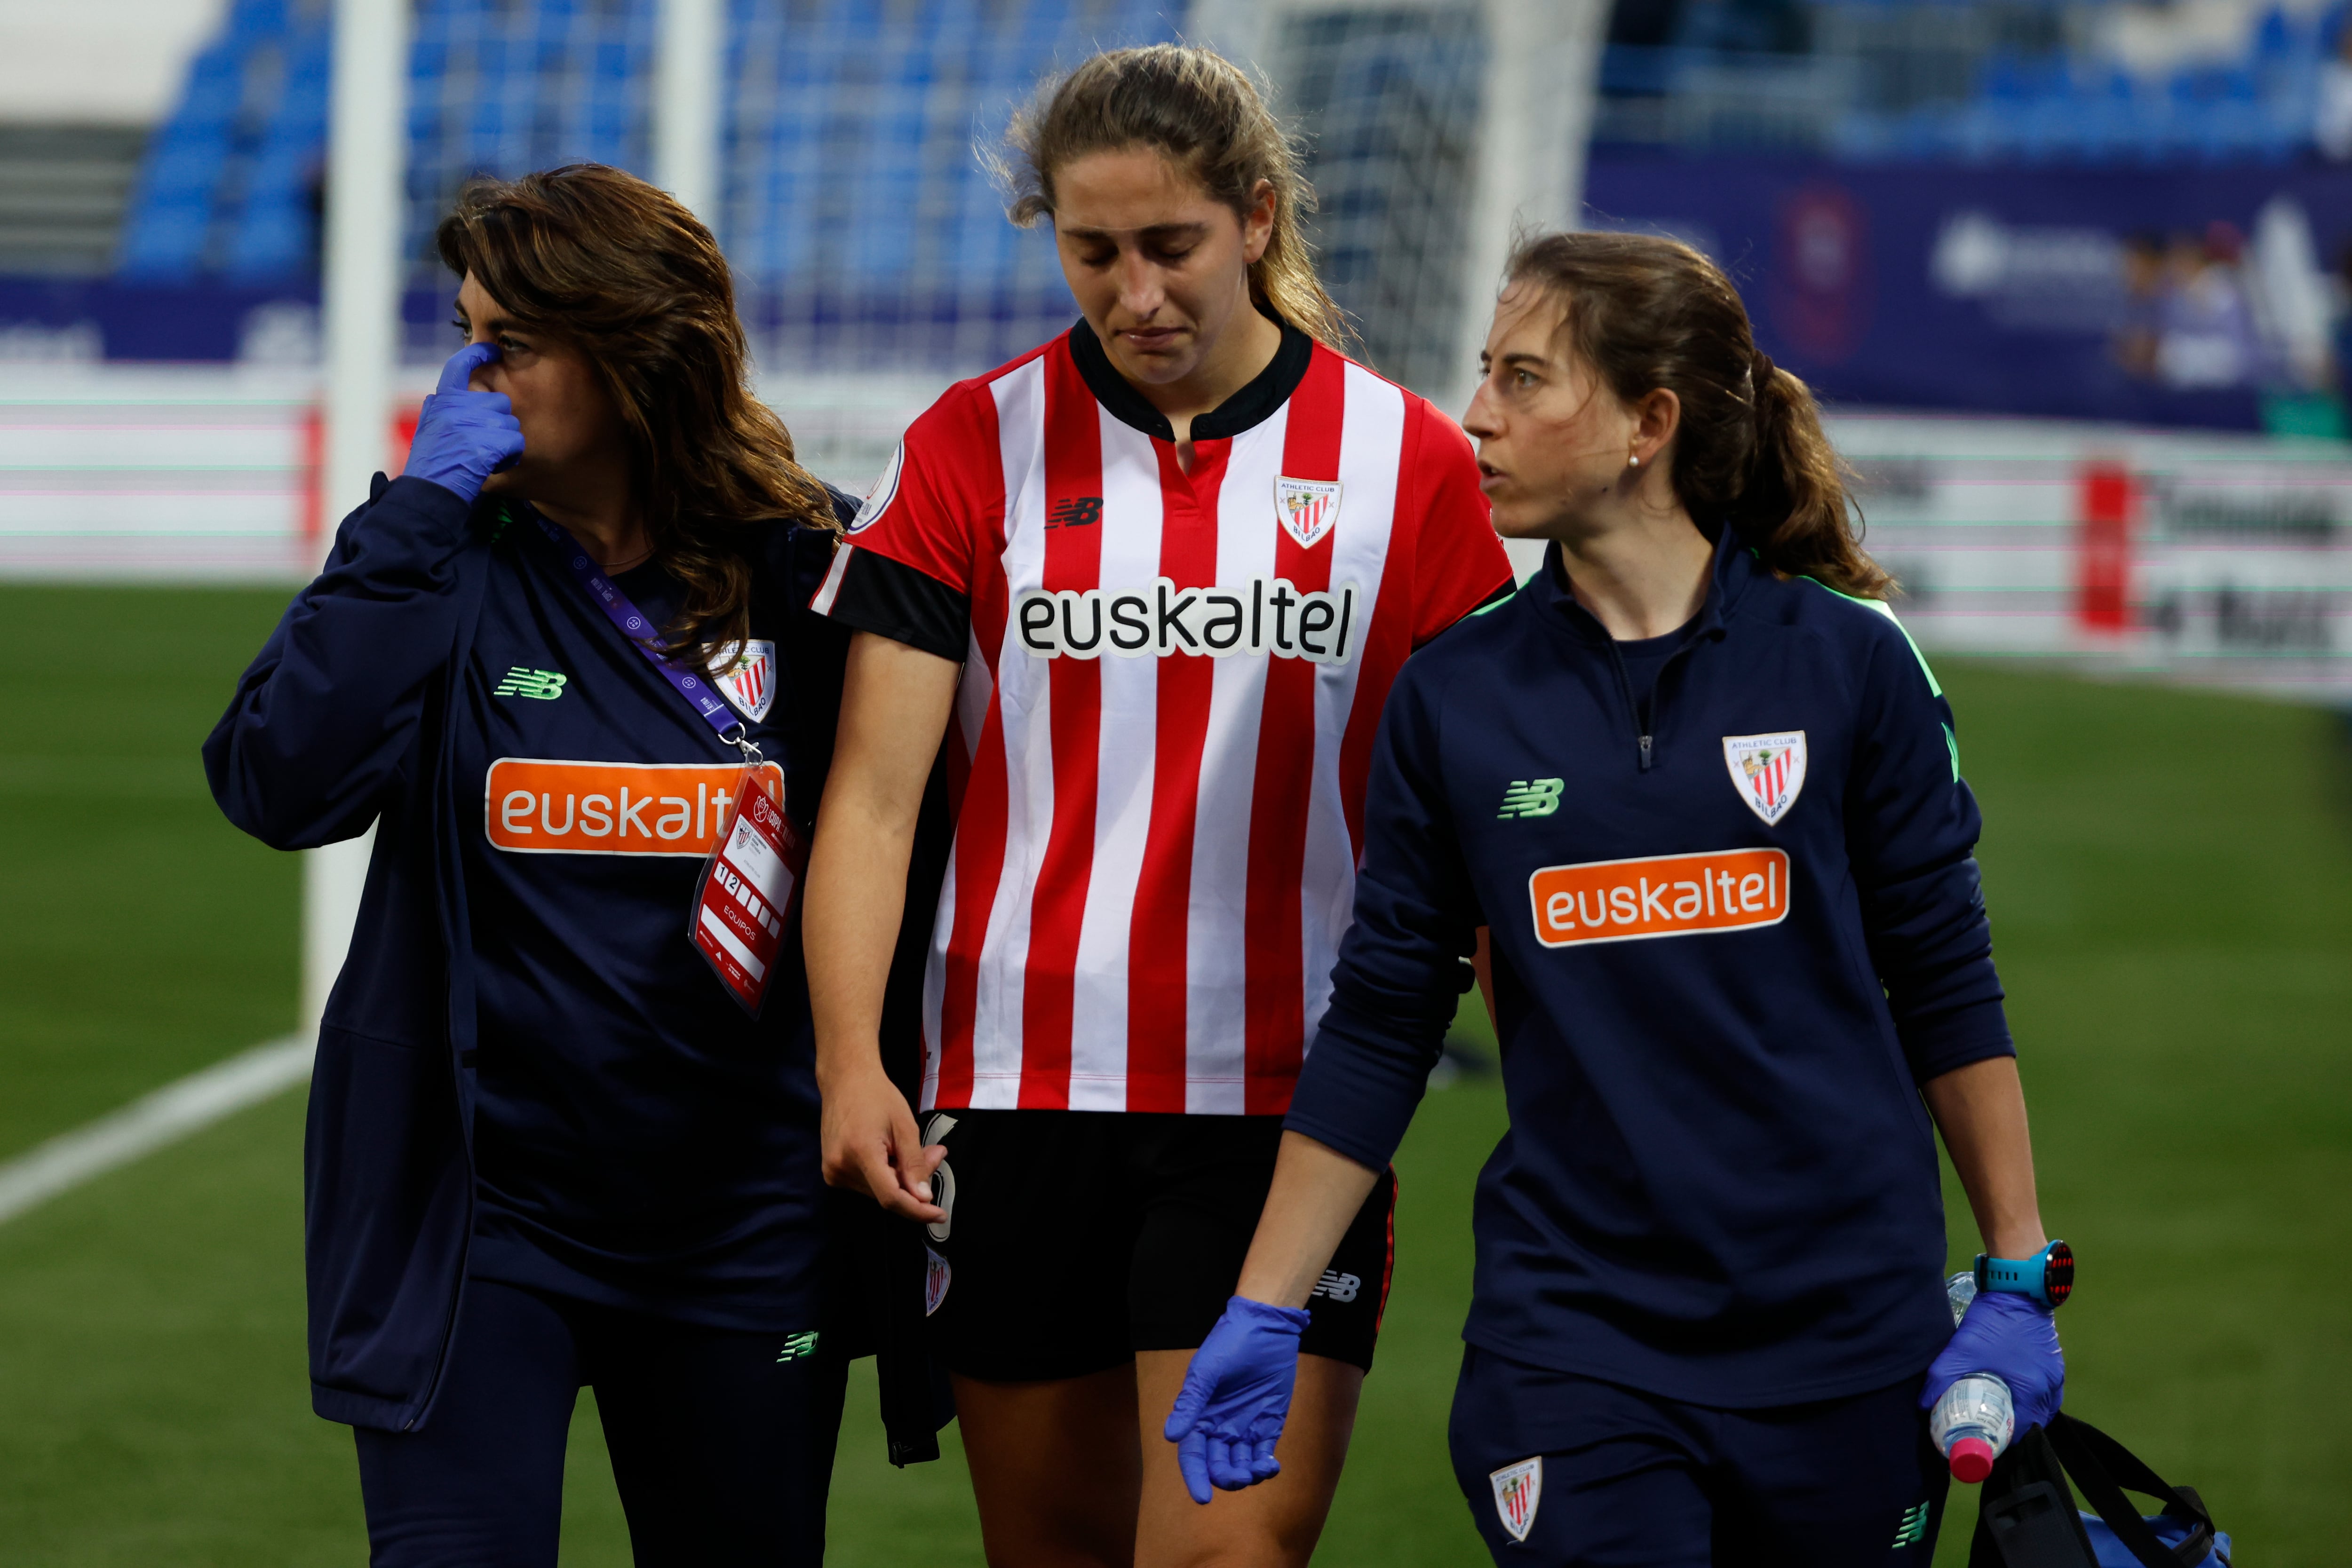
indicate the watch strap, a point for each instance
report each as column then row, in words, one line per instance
column 2048, row 1275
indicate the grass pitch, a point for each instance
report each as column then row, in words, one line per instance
column 2170, row 876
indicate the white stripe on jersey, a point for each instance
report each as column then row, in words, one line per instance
column 1126, row 749
column 1028, row 720
column 830, row 588
column 1369, row 443
column 1215, row 1017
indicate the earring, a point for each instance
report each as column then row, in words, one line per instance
column 1634, row 462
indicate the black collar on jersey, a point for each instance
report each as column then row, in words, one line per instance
column 1251, row 406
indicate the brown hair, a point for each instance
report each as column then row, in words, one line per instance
column 598, row 259
column 1204, row 114
column 1646, row 313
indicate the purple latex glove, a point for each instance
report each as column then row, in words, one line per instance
column 463, row 437
column 1235, row 1396
column 2015, row 1339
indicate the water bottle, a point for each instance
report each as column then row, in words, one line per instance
column 1975, row 1419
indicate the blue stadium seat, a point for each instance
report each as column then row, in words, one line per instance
column 276, row 234
column 849, row 179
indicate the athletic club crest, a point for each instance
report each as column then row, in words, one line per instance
column 1518, row 1490
column 1768, row 770
column 937, row 1277
column 748, row 677
column 1308, row 508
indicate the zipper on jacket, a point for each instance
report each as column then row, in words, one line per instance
column 1645, row 714
column 1641, row 719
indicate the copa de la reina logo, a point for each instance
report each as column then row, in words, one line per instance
column 1266, row 615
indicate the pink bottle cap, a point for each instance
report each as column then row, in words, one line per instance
column 1971, row 1460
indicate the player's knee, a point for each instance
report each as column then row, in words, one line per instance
column 1266, row 1544
column 1061, row 1537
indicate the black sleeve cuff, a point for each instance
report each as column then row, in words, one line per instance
column 895, row 601
column 1363, row 1082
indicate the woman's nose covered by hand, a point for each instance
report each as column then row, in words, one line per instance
column 464, row 436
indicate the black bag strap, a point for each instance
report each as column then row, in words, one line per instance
column 2026, row 1516
column 2102, row 1467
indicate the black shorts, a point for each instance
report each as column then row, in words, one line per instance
column 1074, row 1238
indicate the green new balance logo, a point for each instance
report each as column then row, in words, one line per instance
column 545, row 684
column 1913, row 1529
column 798, row 1345
column 1530, row 798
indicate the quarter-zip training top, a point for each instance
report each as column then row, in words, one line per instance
column 1734, row 927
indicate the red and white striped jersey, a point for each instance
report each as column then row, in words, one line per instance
column 1170, row 686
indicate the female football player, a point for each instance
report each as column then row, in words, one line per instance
column 1704, row 799
column 550, row 1145
column 1151, row 580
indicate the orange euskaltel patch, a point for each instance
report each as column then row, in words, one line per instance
column 1659, row 895
column 535, row 806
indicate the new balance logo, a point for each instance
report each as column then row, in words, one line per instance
column 1078, row 512
column 1912, row 1529
column 1530, row 798
column 1337, row 1287
column 798, row 1345
column 544, row 685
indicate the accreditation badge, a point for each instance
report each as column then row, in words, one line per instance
column 747, row 890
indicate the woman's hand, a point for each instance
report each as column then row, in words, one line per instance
column 2014, row 1338
column 871, row 1144
column 464, row 436
column 1982, row 1109
column 1237, row 1394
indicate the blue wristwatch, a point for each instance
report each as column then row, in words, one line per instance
column 2048, row 1275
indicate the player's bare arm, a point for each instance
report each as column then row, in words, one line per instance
column 1316, row 1190
column 1981, row 1109
column 894, row 710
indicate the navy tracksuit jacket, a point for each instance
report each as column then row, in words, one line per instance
column 1717, row 993
column 350, row 715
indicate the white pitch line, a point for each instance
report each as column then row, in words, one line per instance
column 151, row 1122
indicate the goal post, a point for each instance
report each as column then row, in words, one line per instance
column 688, row 102
column 366, row 203
column 1435, row 132
column 1542, row 75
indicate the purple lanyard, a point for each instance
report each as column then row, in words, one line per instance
column 639, row 632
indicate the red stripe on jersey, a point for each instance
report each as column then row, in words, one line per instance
column 1159, row 929
column 977, row 781
column 1276, row 986
column 1073, row 561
